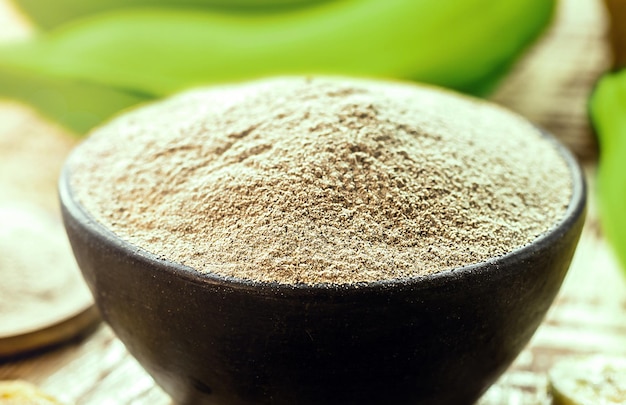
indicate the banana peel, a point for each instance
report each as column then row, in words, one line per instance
column 159, row 51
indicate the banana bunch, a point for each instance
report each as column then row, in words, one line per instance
column 81, row 72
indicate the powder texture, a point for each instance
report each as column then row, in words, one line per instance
column 323, row 180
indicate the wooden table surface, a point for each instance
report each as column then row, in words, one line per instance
column 550, row 86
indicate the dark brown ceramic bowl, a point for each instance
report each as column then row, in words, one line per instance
column 440, row 339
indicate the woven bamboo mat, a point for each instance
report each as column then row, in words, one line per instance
column 551, row 85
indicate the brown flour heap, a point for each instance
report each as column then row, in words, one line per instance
column 322, row 181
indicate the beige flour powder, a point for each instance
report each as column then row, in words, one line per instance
column 322, row 180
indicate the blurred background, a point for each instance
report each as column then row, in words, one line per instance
column 69, row 65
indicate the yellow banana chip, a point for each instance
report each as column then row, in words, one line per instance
column 23, row 393
column 589, row 381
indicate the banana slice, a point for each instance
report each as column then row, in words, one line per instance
column 23, row 393
column 589, row 381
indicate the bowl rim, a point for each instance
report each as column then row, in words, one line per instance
column 574, row 211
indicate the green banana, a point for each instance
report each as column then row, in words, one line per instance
column 607, row 107
column 466, row 46
column 75, row 105
column 49, row 14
